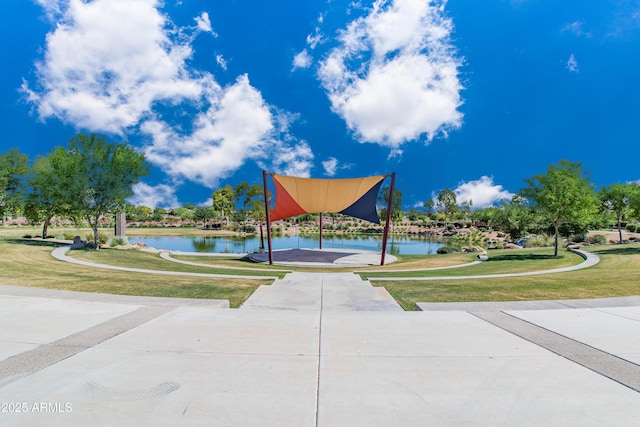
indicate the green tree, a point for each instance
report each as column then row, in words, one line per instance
column 396, row 203
column 204, row 214
column 13, row 169
column 245, row 196
column 45, row 198
column 465, row 209
column 635, row 199
column 223, row 201
column 447, row 203
column 429, row 206
column 488, row 216
column 514, row 217
column 96, row 176
column 138, row 213
column 618, row 199
column 158, row 214
column 184, row 213
column 564, row 194
column 256, row 202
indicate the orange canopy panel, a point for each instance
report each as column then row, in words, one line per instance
column 355, row 197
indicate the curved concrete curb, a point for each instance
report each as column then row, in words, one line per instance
column 589, row 261
column 61, row 254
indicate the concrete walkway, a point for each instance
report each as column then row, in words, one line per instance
column 590, row 260
column 66, row 360
column 315, row 349
column 322, row 292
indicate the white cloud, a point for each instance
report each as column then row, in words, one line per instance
column 204, row 24
column 293, row 160
column 107, row 62
column 482, row 192
column 234, row 128
column 161, row 195
column 577, row 28
column 314, row 39
column 52, row 8
column 221, row 62
column 114, row 65
column 330, row 166
column 572, row 64
column 302, row 60
column 394, row 75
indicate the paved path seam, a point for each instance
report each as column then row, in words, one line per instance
column 590, row 260
column 613, row 367
column 61, row 254
column 319, row 365
column 43, row 356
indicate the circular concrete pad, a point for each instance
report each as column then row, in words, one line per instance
column 323, row 257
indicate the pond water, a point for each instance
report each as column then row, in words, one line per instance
column 233, row 244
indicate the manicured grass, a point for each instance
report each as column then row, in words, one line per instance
column 151, row 261
column 29, row 263
column 500, row 262
column 616, row 275
column 418, row 262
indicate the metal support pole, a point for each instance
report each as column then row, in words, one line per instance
column 266, row 212
column 385, row 234
column 320, row 230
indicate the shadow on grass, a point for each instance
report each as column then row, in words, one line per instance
column 619, row 251
column 30, row 242
column 521, row 257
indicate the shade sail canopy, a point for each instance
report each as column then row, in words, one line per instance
column 355, row 197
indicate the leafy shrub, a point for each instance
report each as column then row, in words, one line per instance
column 633, row 227
column 578, row 238
column 68, row 235
column 250, row 229
column 597, row 240
column 540, row 241
column 446, row 250
column 118, row 241
column 102, row 237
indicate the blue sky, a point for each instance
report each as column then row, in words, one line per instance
column 469, row 95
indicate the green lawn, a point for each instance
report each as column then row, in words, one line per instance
column 500, row 262
column 152, row 261
column 616, row 275
column 29, row 263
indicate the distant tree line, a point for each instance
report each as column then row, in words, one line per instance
column 562, row 201
column 91, row 178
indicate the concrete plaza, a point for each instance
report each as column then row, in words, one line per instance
column 315, row 349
